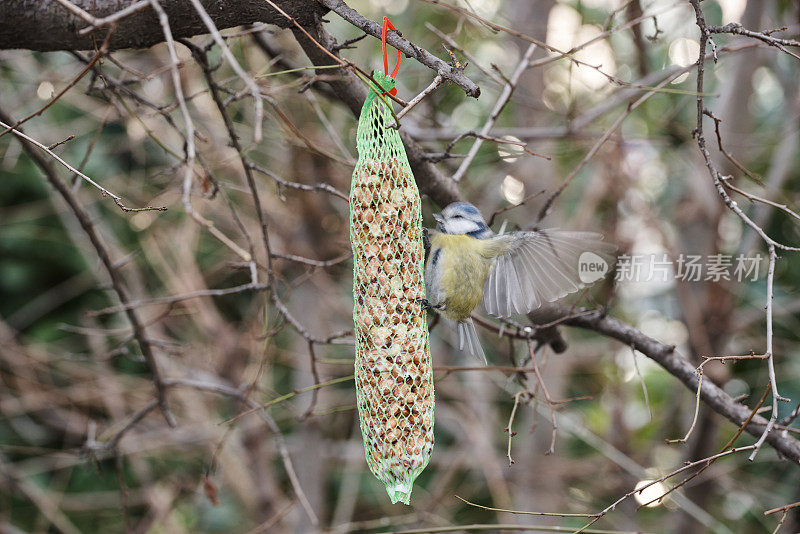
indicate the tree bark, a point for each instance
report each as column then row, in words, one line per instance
column 47, row 25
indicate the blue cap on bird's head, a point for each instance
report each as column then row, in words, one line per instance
column 462, row 218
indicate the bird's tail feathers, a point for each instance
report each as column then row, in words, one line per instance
column 468, row 339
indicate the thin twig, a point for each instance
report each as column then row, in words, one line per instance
column 523, row 512
column 606, row 135
column 451, row 43
column 550, row 403
column 725, row 359
column 730, row 443
column 755, row 198
column 770, row 360
column 238, row 393
column 312, row 356
column 115, row 17
column 782, row 508
column 509, row 208
column 505, row 96
column 643, row 487
column 100, row 53
column 499, row 527
column 255, row 91
column 287, row 396
column 437, row 81
column 189, row 147
column 111, row 444
column 105, row 192
column 178, row 298
column 696, row 411
column 509, row 429
column 644, row 385
column 327, row 188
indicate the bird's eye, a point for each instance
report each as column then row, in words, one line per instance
column 457, row 216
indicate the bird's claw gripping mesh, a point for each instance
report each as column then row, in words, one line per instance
column 393, row 372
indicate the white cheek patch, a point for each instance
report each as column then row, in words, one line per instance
column 461, row 226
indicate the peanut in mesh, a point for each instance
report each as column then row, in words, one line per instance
column 393, row 369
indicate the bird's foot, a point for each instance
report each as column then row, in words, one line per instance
column 429, row 306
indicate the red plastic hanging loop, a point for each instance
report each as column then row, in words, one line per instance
column 386, row 26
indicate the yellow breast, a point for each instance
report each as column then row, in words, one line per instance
column 464, row 265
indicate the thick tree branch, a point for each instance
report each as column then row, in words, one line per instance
column 47, row 26
column 665, row 355
column 81, row 24
column 448, row 72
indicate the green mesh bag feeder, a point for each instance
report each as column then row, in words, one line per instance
column 393, row 371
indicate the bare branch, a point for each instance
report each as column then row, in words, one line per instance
column 47, row 26
column 394, row 38
column 505, row 95
column 116, row 198
column 352, row 93
column 105, row 257
column 665, row 355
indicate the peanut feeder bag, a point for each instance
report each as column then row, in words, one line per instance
column 393, row 371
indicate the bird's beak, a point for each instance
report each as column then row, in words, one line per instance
column 439, row 222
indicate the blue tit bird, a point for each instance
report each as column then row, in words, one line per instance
column 512, row 273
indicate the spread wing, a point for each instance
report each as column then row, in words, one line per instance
column 542, row 266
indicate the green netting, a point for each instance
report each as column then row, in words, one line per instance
column 394, row 376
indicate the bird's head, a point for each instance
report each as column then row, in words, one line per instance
column 462, row 218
